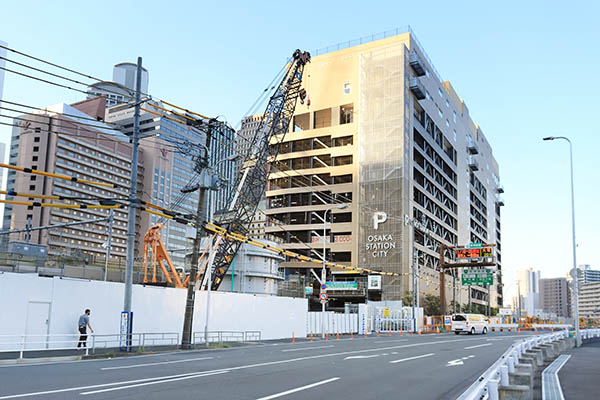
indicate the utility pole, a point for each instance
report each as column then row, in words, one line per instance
column 108, row 240
column 186, row 337
column 132, row 204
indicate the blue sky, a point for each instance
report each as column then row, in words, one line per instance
column 525, row 69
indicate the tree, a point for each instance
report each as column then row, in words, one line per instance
column 431, row 305
column 407, row 299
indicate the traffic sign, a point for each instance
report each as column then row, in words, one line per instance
column 474, row 245
column 323, row 296
column 478, row 277
column 323, row 287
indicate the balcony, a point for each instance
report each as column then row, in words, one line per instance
column 416, row 64
column 499, row 201
column 500, row 189
column 417, row 88
column 472, row 163
column 472, row 146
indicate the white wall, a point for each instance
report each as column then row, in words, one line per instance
column 155, row 309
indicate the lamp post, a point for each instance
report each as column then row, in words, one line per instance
column 575, row 278
column 323, row 270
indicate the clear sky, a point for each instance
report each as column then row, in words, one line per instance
column 526, row 69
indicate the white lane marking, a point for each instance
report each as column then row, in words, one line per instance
column 360, row 357
column 391, row 340
column 152, row 383
column 14, row 396
column 308, row 348
column 411, row 358
column 274, row 396
column 394, row 352
column 156, row 363
column 454, row 363
column 491, row 340
column 291, row 360
column 479, row 345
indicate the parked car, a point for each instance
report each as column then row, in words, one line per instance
column 469, row 323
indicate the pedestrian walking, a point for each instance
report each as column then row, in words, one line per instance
column 84, row 323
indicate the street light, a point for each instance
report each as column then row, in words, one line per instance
column 575, row 278
column 323, row 270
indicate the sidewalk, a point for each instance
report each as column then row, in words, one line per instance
column 579, row 376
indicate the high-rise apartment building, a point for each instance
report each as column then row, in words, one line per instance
column 555, row 296
column 589, row 300
column 528, row 282
column 586, row 274
column 385, row 135
column 169, row 169
column 64, row 140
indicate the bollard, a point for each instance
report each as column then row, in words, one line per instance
column 293, row 337
column 351, row 334
column 504, row 375
column 492, row 387
column 535, row 331
column 390, row 334
column 365, row 332
column 401, row 332
column 311, row 337
column 518, row 332
column 326, row 335
column 337, row 336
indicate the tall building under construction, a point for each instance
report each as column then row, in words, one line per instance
column 382, row 133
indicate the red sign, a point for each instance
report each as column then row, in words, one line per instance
column 474, row 253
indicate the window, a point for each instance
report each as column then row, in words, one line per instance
column 447, row 103
column 36, row 148
column 322, row 118
column 32, row 177
column 36, row 139
column 38, row 129
column 454, row 132
column 346, row 114
column 34, row 158
column 447, row 123
column 440, row 92
column 346, row 87
column 31, row 187
column 454, row 115
column 301, row 122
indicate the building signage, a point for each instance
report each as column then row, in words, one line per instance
column 474, row 252
column 478, row 277
column 380, row 245
column 342, row 285
column 374, row 282
column 505, row 311
column 308, row 290
column 379, row 217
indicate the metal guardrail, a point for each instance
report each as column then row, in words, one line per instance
column 27, row 343
column 226, row 336
column 488, row 383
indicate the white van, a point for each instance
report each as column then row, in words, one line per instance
column 469, row 323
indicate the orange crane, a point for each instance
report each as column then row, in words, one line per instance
column 152, row 240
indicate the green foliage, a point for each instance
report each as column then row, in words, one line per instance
column 431, row 305
column 407, row 299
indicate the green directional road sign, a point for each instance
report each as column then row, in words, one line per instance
column 477, row 277
column 475, row 245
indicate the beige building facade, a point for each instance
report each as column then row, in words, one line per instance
column 384, row 135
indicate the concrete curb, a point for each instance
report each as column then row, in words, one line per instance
column 19, row 361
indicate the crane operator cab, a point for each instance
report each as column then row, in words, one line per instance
column 470, row 323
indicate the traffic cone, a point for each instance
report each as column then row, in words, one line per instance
column 337, row 337
column 326, row 335
column 535, row 331
column 293, row 338
column 419, row 333
column 365, row 332
column 311, row 337
column 400, row 331
column 437, row 329
column 518, row 332
column 390, row 334
column 351, row 334
column 377, row 332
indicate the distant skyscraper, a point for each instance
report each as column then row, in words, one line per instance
column 529, row 287
column 122, row 87
column 555, row 296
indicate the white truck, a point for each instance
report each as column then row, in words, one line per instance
column 469, row 323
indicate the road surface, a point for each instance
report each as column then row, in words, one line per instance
column 413, row 367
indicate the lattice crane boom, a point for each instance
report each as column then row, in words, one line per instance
column 250, row 184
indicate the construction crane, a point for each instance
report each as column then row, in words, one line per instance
column 250, row 184
column 153, row 241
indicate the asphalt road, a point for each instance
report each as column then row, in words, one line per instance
column 411, row 367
